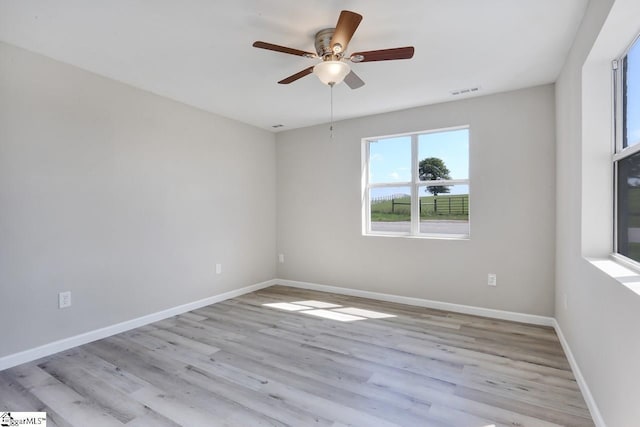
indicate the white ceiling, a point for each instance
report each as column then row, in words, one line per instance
column 199, row 51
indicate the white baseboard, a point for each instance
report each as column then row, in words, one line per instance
column 584, row 388
column 438, row 305
column 87, row 337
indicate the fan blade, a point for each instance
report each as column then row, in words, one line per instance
column 283, row 49
column 353, row 81
column 346, row 26
column 384, row 54
column 296, row 76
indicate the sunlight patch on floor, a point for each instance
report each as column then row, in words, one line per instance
column 334, row 315
column 329, row 310
column 317, row 304
column 287, row 306
column 364, row 313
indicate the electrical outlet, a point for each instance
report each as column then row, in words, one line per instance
column 218, row 268
column 64, row 299
column 492, row 279
column 281, row 258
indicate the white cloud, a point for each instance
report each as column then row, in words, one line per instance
column 394, row 175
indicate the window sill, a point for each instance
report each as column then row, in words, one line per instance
column 624, row 272
column 422, row 236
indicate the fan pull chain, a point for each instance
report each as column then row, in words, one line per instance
column 331, row 127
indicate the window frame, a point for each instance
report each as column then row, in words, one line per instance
column 620, row 152
column 415, row 185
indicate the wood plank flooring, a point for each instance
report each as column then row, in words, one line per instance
column 241, row 363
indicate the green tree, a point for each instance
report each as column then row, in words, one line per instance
column 433, row 168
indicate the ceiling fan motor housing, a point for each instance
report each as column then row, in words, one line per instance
column 323, row 44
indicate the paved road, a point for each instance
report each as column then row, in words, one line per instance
column 443, row 227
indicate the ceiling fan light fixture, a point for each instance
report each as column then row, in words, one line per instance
column 331, row 72
column 331, row 45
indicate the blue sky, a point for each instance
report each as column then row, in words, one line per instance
column 390, row 158
column 633, row 94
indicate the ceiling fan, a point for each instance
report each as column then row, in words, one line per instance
column 331, row 45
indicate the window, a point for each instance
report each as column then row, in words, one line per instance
column 627, row 153
column 417, row 184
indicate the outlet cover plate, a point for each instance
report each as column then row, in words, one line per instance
column 492, row 279
column 64, row 299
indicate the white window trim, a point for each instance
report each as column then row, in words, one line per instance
column 415, row 185
column 597, row 146
column 619, row 151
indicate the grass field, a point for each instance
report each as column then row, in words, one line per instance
column 446, row 207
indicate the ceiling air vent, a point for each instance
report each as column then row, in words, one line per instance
column 466, row 91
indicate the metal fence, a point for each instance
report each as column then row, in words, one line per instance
column 450, row 205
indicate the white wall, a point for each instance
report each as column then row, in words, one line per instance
column 512, row 172
column 602, row 316
column 124, row 198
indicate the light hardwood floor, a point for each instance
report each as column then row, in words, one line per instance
column 240, row 363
